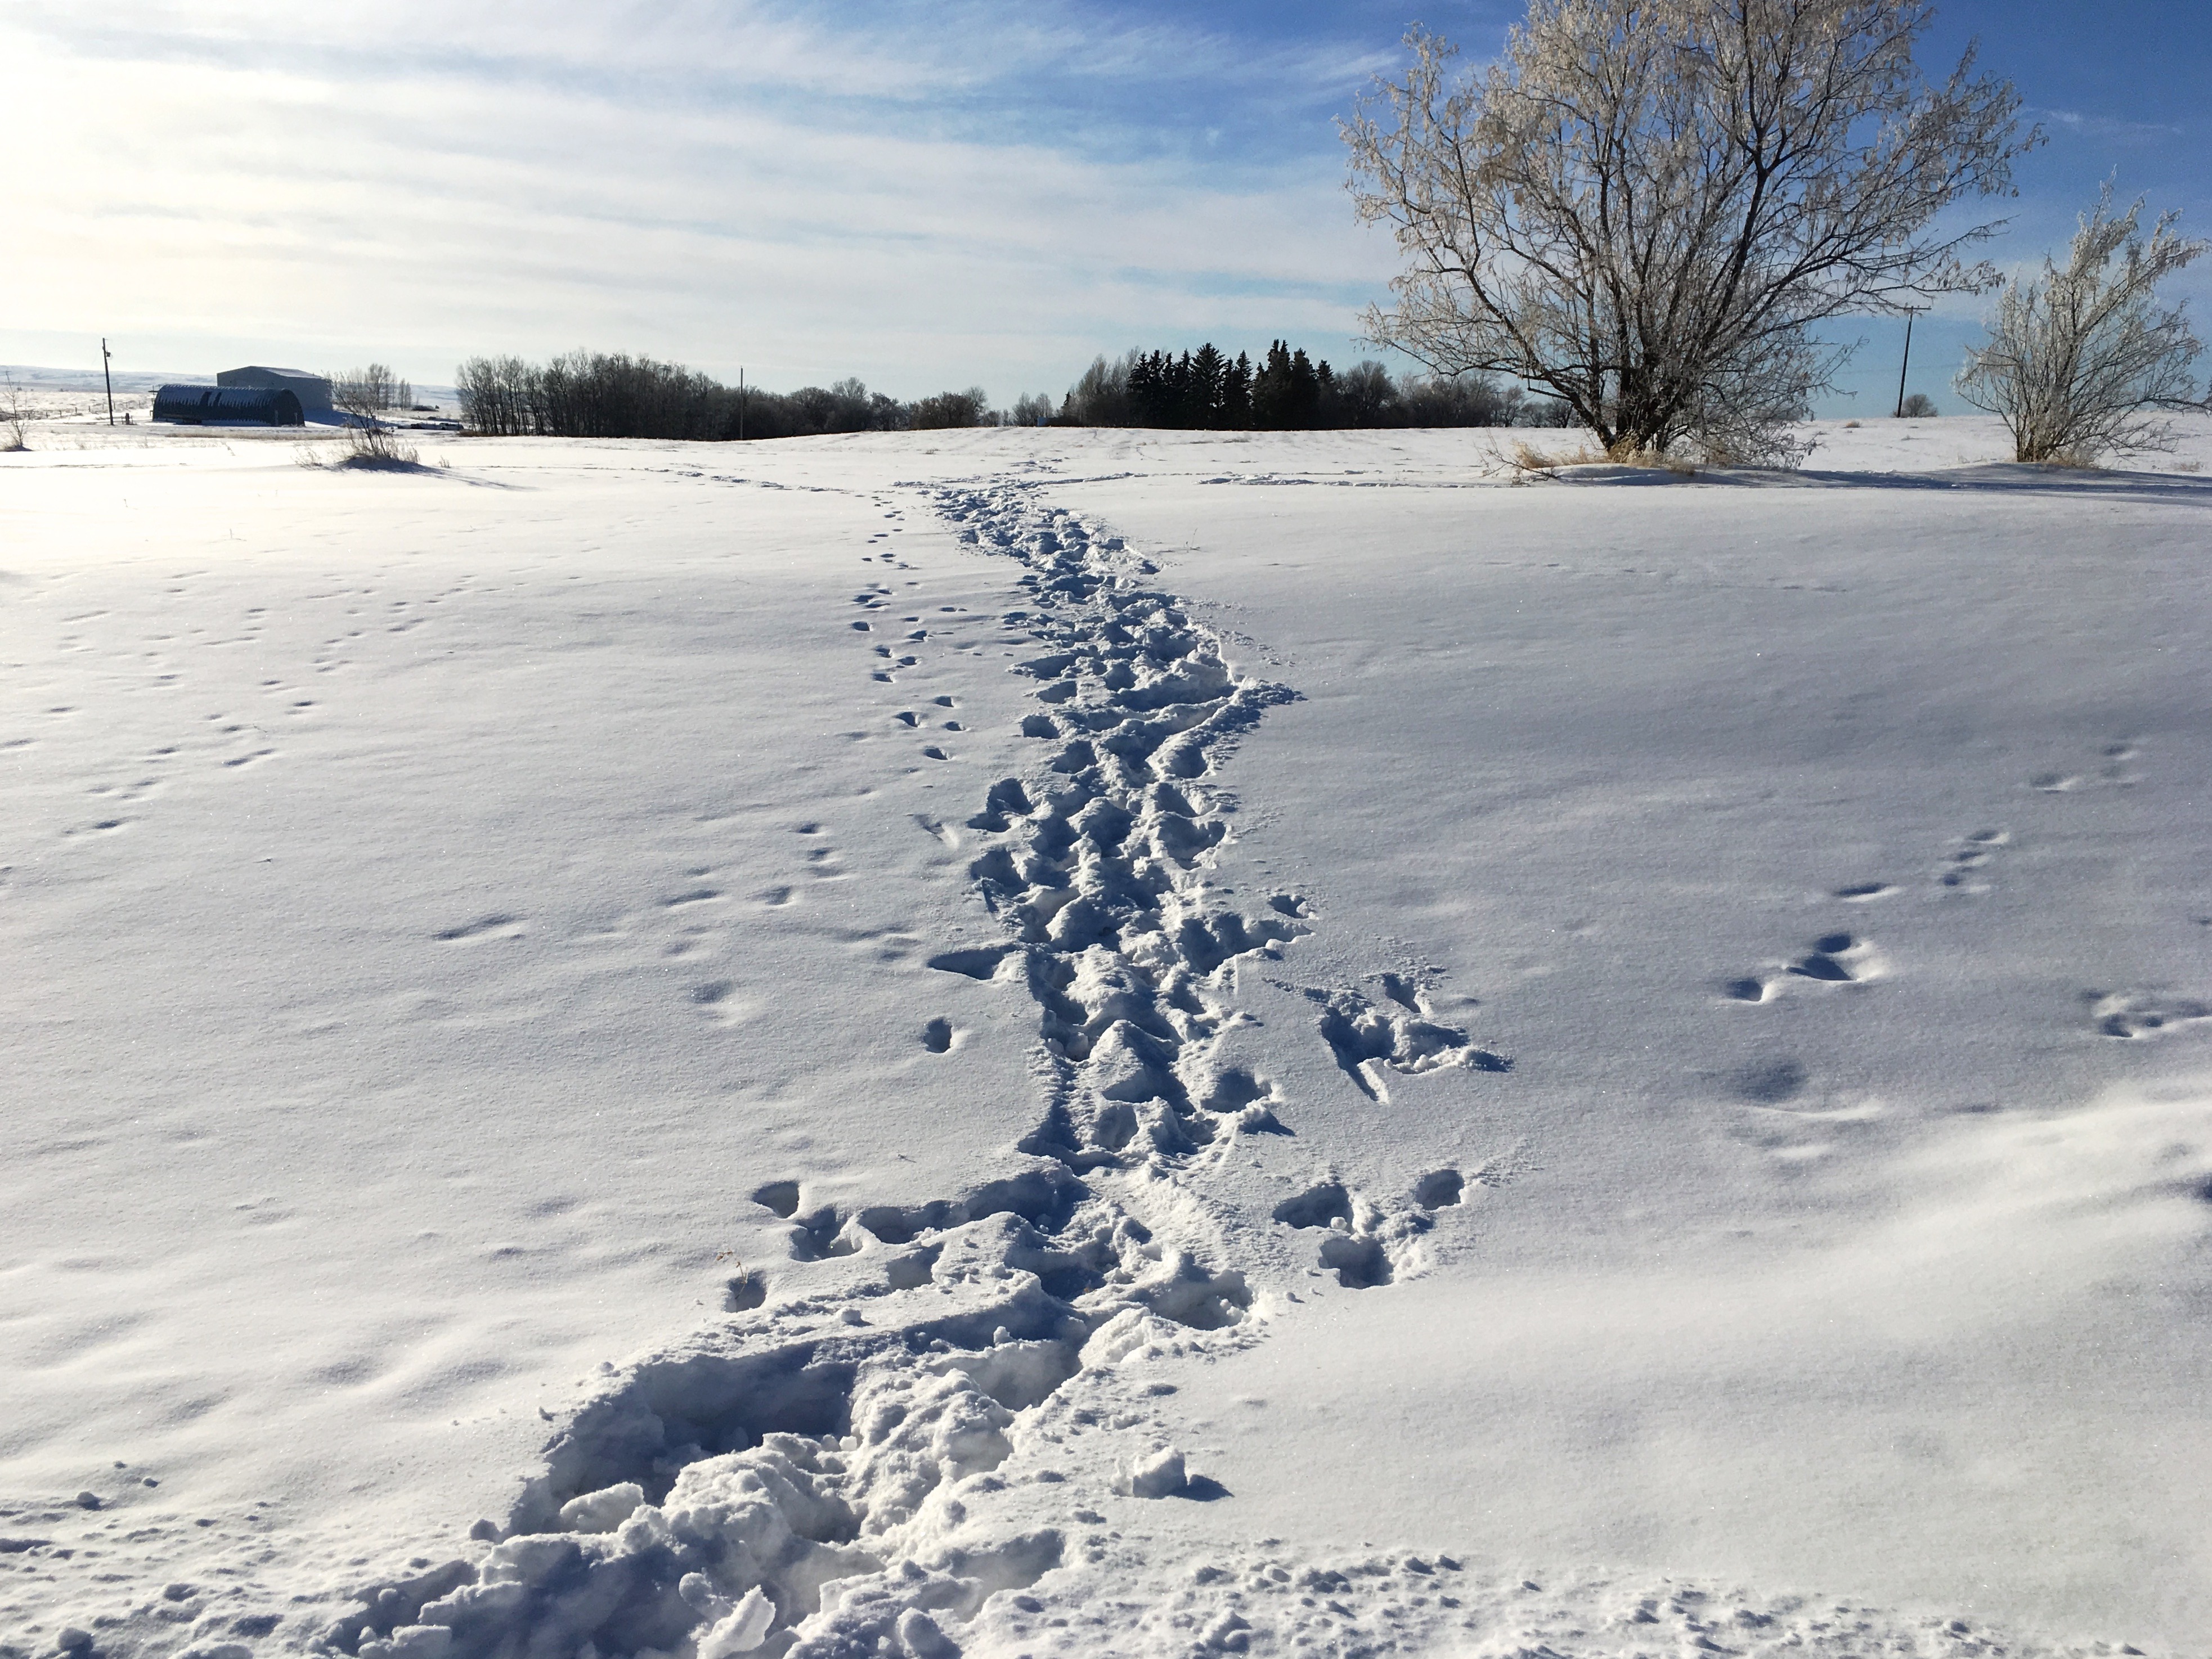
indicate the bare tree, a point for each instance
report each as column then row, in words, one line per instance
column 1101, row 396
column 949, row 408
column 2083, row 361
column 362, row 399
column 1646, row 205
column 375, row 388
column 13, row 415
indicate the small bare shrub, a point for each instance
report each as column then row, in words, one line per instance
column 1526, row 458
column 1918, row 407
column 373, row 444
column 369, row 442
column 2083, row 361
column 12, row 417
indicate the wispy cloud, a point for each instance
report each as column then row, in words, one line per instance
column 2107, row 129
column 959, row 192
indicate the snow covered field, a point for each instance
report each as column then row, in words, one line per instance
column 700, row 1049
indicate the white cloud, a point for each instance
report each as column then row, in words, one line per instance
column 2107, row 128
column 714, row 183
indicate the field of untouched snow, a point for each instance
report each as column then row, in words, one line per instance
column 1098, row 1042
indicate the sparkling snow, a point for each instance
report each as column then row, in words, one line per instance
column 1091, row 1042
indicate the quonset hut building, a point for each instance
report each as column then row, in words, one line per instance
column 196, row 406
column 279, row 396
column 313, row 391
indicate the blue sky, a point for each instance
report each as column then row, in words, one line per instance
column 923, row 195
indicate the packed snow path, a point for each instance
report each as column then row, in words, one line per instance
column 818, row 1479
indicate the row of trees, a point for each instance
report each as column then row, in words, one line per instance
column 594, row 395
column 589, row 394
column 601, row 395
column 1286, row 391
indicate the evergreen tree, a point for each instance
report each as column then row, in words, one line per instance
column 1145, row 389
column 1271, row 390
column 1303, row 407
column 1206, row 370
column 1236, row 394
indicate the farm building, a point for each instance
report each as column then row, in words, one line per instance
column 196, row 406
column 313, row 391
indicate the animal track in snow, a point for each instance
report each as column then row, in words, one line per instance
column 506, row 926
column 1972, row 855
column 2113, row 771
column 2130, row 1015
column 1837, row 958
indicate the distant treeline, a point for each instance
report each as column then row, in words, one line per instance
column 1286, row 391
column 589, row 394
column 597, row 395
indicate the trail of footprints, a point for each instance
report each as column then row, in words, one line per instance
column 231, row 740
column 1843, row 958
column 828, row 1447
column 1847, row 958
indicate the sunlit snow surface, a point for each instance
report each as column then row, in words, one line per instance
column 1619, row 1064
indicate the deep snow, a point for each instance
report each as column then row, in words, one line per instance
column 1614, row 1064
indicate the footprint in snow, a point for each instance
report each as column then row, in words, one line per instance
column 1439, row 1188
column 2136, row 1015
column 510, row 926
column 1973, row 855
column 2113, row 769
column 1833, row 960
column 1865, row 892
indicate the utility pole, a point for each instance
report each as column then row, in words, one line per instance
column 741, row 403
column 105, row 354
column 1906, row 364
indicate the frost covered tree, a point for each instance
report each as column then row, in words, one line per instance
column 2084, row 362
column 1645, row 206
